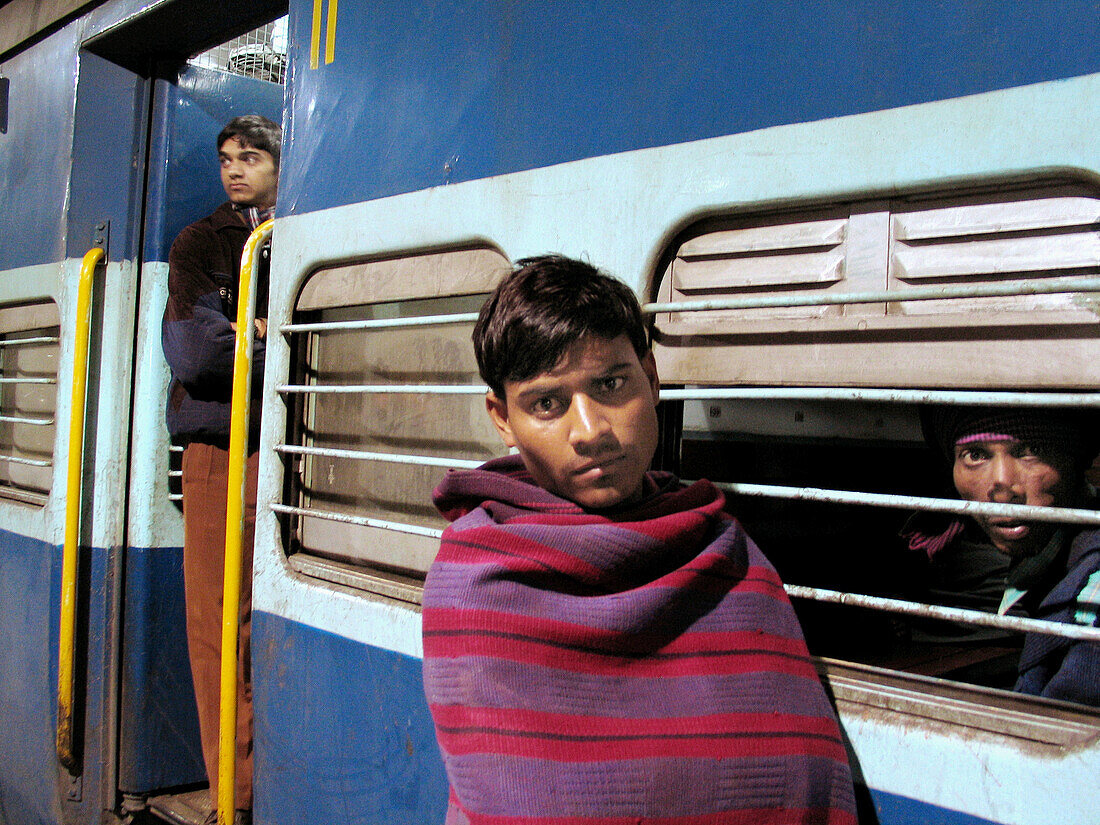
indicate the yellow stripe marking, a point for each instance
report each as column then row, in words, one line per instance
column 315, row 36
column 330, row 35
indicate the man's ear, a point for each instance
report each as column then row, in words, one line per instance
column 649, row 365
column 498, row 414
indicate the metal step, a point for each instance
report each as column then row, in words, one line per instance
column 188, row 808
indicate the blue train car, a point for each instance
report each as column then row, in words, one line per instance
column 774, row 157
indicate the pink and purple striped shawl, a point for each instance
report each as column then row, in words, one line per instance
column 642, row 666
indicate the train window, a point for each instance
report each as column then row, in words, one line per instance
column 385, row 396
column 28, row 400
column 802, row 345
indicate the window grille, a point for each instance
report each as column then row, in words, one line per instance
column 260, row 54
column 28, row 400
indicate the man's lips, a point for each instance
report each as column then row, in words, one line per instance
column 596, row 467
column 1010, row 529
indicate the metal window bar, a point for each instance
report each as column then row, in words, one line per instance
column 964, row 398
column 345, row 518
column 175, row 448
column 1020, row 399
column 395, row 458
column 381, row 323
column 1004, row 289
column 975, row 617
column 1047, row 286
column 395, row 389
column 22, row 342
column 28, row 380
column 30, row 462
column 22, row 419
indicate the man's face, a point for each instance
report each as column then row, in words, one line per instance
column 248, row 174
column 586, row 429
column 1012, row 472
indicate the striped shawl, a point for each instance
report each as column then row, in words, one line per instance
column 641, row 666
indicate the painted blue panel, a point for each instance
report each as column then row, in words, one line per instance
column 900, row 810
column 443, row 91
column 107, row 157
column 36, row 150
column 159, row 737
column 33, row 787
column 343, row 732
column 184, row 183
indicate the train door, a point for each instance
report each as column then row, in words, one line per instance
column 139, row 176
column 159, row 746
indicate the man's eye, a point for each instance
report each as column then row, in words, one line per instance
column 546, row 404
column 971, row 455
column 612, row 383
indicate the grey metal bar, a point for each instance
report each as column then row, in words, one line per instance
column 1061, row 515
column 1047, row 286
column 383, row 389
column 22, row 342
column 363, row 521
column 28, row 380
column 1007, row 399
column 395, row 458
column 382, row 323
column 30, row 462
column 175, row 496
column 932, row 611
column 19, row 419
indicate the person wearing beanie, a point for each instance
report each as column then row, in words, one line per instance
column 1007, row 564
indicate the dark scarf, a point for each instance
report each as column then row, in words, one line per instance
column 253, row 215
column 631, row 666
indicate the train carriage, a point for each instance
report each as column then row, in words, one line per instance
column 833, row 213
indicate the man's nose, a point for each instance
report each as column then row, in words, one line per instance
column 589, row 424
column 1004, row 479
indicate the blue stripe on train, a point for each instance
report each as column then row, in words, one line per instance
column 343, row 732
column 902, row 810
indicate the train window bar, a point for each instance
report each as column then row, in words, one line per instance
column 1046, row 286
column 175, row 474
column 23, row 419
column 23, row 342
column 30, row 462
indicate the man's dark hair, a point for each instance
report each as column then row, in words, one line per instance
column 255, row 131
column 546, row 305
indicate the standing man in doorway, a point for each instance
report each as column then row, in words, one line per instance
column 198, row 339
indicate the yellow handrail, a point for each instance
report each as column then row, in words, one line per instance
column 234, row 517
column 67, row 631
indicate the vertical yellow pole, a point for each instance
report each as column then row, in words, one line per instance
column 234, row 520
column 70, row 552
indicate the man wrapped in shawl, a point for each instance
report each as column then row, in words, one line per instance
column 601, row 643
column 1005, row 564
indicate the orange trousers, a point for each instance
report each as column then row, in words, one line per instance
column 205, row 478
